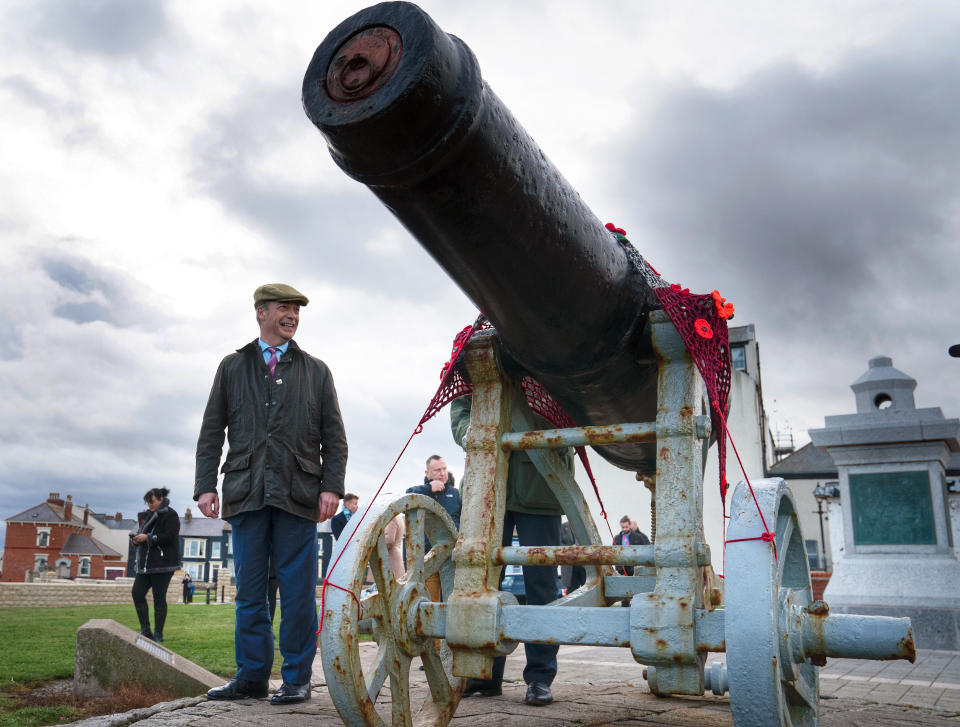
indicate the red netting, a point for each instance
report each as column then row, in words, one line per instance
column 704, row 332
column 701, row 321
column 538, row 398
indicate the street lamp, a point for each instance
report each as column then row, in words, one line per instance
column 824, row 492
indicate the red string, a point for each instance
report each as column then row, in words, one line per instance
column 767, row 536
column 447, row 372
column 582, row 454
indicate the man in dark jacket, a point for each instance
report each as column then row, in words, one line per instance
column 533, row 510
column 283, row 473
column 438, row 483
column 628, row 536
column 340, row 520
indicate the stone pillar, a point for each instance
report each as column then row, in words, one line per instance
column 225, row 586
column 898, row 554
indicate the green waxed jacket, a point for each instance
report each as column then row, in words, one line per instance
column 527, row 491
column 286, row 437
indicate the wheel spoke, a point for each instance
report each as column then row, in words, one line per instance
column 415, row 544
column 803, row 688
column 380, row 567
column 437, row 556
column 440, row 687
column 371, row 607
column 378, row 674
column 400, row 690
column 784, row 535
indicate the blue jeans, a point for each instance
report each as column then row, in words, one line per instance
column 260, row 536
column 540, row 583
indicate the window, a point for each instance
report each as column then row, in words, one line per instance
column 84, row 567
column 40, row 562
column 738, row 357
column 194, row 548
column 813, row 554
column 43, row 537
column 215, row 550
column 195, row 570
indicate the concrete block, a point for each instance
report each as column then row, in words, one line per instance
column 110, row 655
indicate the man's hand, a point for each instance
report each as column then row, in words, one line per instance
column 329, row 502
column 209, row 504
column 139, row 538
column 437, row 486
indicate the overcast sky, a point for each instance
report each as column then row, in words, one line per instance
column 156, row 166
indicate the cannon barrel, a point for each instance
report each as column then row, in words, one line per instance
column 404, row 110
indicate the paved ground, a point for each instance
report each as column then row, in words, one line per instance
column 598, row 686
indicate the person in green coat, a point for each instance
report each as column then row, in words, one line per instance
column 533, row 510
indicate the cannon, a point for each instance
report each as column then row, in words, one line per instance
column 404, row 110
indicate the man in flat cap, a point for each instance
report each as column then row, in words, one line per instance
column 284, row 473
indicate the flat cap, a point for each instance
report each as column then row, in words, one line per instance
column 278, row 291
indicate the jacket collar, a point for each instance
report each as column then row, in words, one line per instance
column 254, row 347
column 450, row 481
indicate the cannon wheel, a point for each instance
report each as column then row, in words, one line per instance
column 767, row 685
column 389, row 615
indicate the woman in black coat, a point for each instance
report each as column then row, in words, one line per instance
column 157, row 554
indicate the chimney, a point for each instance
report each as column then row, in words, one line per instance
column 118, row 517
column 68, row 509
column 54, row 499
column 86, row 514
column 187, row 515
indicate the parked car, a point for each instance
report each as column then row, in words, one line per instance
column 514, row 584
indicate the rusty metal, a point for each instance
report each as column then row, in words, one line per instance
column 364, row 63
column 473, row 619
column 575, row 555
column 579, row 437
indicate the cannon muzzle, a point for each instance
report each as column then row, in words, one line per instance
column 404, row 110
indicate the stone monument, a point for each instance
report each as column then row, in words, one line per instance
column 110, row 655
column 898, row 557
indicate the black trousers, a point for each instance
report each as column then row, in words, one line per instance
column 541, row 586
column 158, row 583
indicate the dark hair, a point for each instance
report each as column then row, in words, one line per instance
column 156, row 493
column 350, row 496
column 625, row 519
column 431, row 458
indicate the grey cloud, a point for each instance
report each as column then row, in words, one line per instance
column 11, row 341
column 111, row 296
column 106, row 27
column 326, row 231
column 797, row 188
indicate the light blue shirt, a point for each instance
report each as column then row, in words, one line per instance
column 266, row 354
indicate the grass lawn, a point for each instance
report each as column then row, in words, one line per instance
column 38, row 644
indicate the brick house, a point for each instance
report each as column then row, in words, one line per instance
column 50, row 537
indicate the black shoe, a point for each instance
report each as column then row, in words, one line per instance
column 291, row 694
column 483, row 687
column 147, row 633
column 239, row 689
column 158, row 637
column 538, row 694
